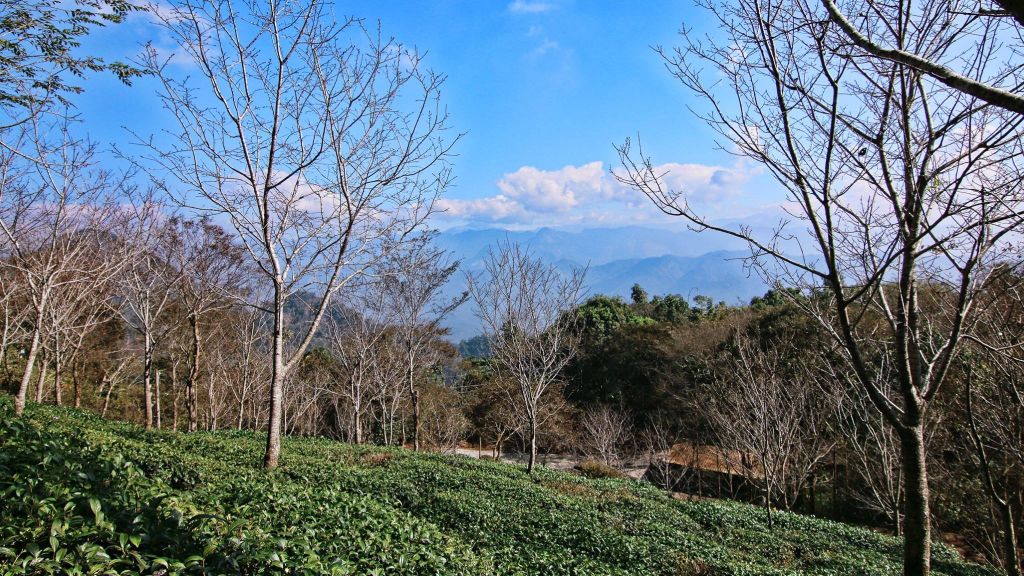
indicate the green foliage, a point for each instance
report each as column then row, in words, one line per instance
column 671, row 308
column 638, row 295
column 602, row 316
column 774, row 298
column 38, row 47
column 81, row 495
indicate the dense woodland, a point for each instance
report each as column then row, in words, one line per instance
column 268, row 264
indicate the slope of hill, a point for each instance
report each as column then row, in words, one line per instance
column 79, row 494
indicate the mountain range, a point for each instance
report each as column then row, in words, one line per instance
column 663, row 261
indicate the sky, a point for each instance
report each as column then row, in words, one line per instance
column 541, row 89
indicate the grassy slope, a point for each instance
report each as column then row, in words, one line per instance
column 78, row 493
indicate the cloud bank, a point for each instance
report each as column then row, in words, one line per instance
column 590, row 194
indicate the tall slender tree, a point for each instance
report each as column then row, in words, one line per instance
column 322, row 144
column 413, row 283
column 904, row 187
column 528, row 309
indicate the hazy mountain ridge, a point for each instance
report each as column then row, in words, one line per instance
column 662, row 261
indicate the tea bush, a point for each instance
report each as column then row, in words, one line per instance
column 82, row 495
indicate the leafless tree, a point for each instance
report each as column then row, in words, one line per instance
column 994, row 409
column 605, row 430
column 658, row 438
column 148, row 288
column 121, row 364
column 75, row 312
column 444, row 423
column 906, row 188
column 57, row 211
column 871, row 446
column 527, row 308
column 390, row 390
column 355, row 340
column 498, row 419
column 412, row 283
column 769, row 412
column 248, row 331
column 211, row 270
column 322, row 154
column 995, row 418
column 15, row 313
column 986, row 28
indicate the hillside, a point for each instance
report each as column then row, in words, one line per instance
column 83, row 495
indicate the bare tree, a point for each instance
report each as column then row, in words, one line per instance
column 767, row 410
column 390, row 390
column 528, row 311
column 444, row 422
column 248, row 331
column 870, row 445
column 605, row 430
column 57, row 211
column 994, row 409
column 323, row 155
column 995, row 419
column 354, row 341
column 986, row 28
column 413, row 280
column 75, row 312
column 15, row 313
column 148, row 289
column 497, row 419
column 211, row 269
column 906, row 189
column 659, row 437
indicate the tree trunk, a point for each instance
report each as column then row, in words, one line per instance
column 106, row 401
column 191, row 385
column 76, row 384
column 159, row 423
column 58, row 392
column 30, row 361
column 273, row 452
column 357, row 426
column 414, row 394
column 211, row 409
column 41, row 381
column 147, row 377
column 916, row 524
column 241, row 411
column 174, row 387
column 1011, row 557
column 533, row 445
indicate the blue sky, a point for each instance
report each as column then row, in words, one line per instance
column 543, row 89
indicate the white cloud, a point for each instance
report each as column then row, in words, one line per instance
column 590, row 194
column 529, row 7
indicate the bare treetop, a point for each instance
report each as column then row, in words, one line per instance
column 528, row 311
column 322, row 143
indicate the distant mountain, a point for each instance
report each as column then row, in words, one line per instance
column 720, row 275
column 594, row 245
column 662, row 261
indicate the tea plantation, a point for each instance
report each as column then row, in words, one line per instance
column 82, row 495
